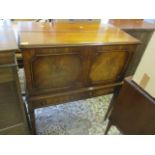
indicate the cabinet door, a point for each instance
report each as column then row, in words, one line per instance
column 54, row 69
column 108, row 65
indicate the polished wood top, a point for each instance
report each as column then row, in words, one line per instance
column 58, row 26
column 132, row 24
column 71, row 34
column 7, row 38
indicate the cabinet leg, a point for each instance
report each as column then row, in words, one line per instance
column 32, row 120
column 116, row 92
column 27, row 115
column 109, row 109
column 107, row 128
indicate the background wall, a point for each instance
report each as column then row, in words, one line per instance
column 145, row 73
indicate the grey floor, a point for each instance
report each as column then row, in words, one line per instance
column 84, row 117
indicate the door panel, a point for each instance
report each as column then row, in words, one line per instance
column 107, row 66
column 55, row 69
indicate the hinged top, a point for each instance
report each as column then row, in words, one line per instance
column 33, row 34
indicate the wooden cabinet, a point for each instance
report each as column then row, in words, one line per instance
column 12, row 115
column 133, row 110
column 63, row 65
column 58, row 70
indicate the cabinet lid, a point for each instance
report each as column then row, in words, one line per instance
column 33, row 34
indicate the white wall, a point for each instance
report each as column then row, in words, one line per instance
column 145, row 73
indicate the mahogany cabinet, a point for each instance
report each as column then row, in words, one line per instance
column 133, row 112
column 63, row 65
column 61, row 74
column 12, row 115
